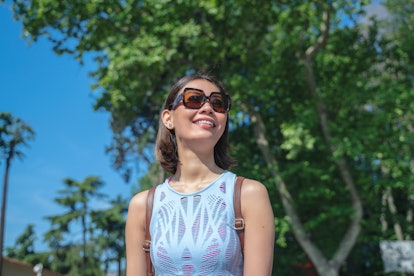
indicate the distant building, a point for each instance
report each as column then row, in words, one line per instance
column 13, row 267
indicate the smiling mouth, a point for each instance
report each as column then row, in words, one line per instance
column 205, row 122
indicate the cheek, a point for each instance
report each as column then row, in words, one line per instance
column 223, row 119
column 223, row 123
column 182, row 122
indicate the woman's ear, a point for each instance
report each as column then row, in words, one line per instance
column 167, row 119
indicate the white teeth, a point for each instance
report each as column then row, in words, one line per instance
column 205, row 122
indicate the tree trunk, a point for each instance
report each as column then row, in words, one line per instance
column 3, row 205
column 84, row 230
column 322, row 265
column 409, row 219
column 383, row 217
column 354, row 228
column 119, row 266
column 388, row 203
column 393, row 210
column 410, row 211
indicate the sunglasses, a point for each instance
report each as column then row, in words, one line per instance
column 195, row 98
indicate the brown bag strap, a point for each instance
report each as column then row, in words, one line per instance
column 238, row 218
column 147, row 241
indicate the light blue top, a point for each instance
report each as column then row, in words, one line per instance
column 192, row 234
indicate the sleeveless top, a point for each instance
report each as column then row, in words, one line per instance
column 192, row 234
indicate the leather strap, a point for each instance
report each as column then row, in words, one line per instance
column 238, row 218
column 147, row 242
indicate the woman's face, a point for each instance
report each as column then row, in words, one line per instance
column 201, row 127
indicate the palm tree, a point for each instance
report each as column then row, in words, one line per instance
column 13, row 133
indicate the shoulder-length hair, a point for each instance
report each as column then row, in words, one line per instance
column 166, row 145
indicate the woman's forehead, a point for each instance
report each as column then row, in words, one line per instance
column 201, row 84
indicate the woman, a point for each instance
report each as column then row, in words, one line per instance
column 192, row 223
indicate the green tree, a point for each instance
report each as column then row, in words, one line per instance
column 312, row 104
column 393, row 165
column 24, row 249
column 24, row 244
column 65, row 255
column 399, row 71
column 110, row 223
column 14, row 133
column 76, row 199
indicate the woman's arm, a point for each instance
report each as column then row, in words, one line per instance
column 135, row 235
column 259, row 229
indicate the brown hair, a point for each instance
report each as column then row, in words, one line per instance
column 166, row 145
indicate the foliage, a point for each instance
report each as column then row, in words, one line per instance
column 24, row 248
column 14, row 133
column 24, row 244
column 76, row 199
column 335, row 97
column 110, row 241
column 102, row 233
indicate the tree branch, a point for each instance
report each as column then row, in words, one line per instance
column 287, row 201
column 321, row 41
column 353, row 230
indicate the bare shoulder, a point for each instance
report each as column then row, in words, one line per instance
column 139, row 200
column 137, row 210
column 254, row 198
column 253, row 188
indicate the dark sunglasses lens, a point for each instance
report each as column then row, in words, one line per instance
column 193, row 99
column 219, row 102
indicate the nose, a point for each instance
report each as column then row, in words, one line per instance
column 206, row 107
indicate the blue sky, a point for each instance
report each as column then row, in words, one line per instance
column 52, row 94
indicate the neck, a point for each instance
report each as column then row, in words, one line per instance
column 194, row 173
